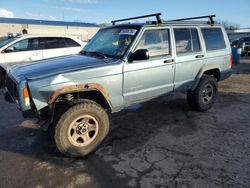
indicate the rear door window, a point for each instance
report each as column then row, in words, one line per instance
column 52, row 43
column 186, row 40
column 214, row 38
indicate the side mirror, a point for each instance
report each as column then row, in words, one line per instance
column 9, row 49
column 141, row 54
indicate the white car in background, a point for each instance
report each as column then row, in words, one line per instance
column 29, row 48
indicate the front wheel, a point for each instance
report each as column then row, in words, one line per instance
column 81, row 129
column 203, row 97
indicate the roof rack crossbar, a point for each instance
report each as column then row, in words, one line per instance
column 210, row 17
column 157, row 15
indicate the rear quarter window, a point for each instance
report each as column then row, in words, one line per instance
column 214, row 38
column 71, row 43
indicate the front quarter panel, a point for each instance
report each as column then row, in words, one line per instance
column 109, row 77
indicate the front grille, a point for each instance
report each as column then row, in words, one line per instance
column 12, row 87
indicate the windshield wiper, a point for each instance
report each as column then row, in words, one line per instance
column 94, row 53
column 100, row 54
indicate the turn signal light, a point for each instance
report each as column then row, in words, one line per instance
column 26, row 97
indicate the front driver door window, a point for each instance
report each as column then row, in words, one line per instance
column 20, row 46
column 153, row 77
column 156, row 42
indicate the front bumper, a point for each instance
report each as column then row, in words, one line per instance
column 26, row 114
column 225, row 74
column 31, row 114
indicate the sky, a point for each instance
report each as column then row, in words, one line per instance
column 103, row 11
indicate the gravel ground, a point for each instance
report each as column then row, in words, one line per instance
column 161, row 143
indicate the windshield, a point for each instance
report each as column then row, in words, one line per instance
column 5, row 41
column 112, row 42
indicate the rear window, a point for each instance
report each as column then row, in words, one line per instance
column 214, row 39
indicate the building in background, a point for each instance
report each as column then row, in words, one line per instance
column 238, row 33
column 84, row 31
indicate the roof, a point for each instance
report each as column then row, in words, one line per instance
column 45, row 22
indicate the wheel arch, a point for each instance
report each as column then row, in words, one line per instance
column 77, row 94
column 212, row 70
column 91, row 91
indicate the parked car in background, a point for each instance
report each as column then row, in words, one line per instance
column 243, row 43
column 30, row 48
column 245, row 48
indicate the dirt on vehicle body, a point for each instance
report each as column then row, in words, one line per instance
column 122, row 65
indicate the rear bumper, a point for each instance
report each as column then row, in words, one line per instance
column 225, row 74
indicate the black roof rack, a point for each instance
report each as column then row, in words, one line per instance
column 159, row 20
column 210, row 17
column 157, row 15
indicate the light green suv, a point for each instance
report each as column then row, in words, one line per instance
column 121, row 65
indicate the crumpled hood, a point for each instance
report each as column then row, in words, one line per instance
column 57, row 65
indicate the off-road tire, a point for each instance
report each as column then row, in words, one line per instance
column 2, row 79
column 194, row 98
column 86, row 107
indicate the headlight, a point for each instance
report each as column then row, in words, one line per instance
column 26, row 97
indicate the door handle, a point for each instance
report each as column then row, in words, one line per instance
column 169, row 61
column 199, row 56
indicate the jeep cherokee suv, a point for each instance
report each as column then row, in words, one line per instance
column 122, row 65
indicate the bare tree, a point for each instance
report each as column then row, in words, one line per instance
column 229, row 25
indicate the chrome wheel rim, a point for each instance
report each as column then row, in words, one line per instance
column 83, row 130
column 207, row 93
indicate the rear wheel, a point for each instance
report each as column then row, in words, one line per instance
column 203, row 97
column 81, row 129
